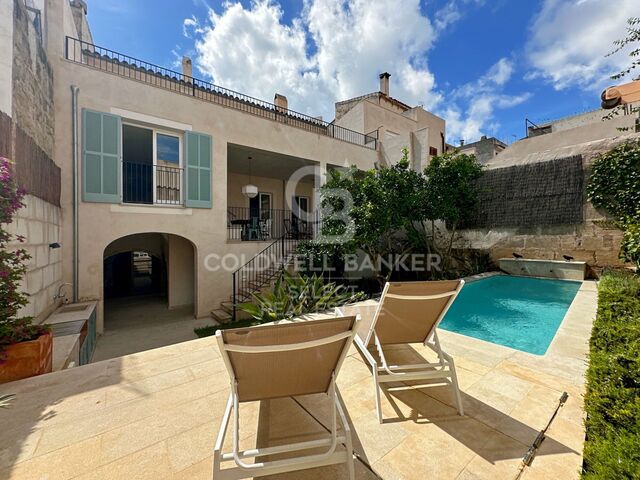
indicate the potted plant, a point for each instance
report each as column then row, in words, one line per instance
column 25, row 348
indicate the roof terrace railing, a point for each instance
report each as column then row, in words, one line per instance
column 116, row 63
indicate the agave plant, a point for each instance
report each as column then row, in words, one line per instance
column 5, row 400
column 299, row 295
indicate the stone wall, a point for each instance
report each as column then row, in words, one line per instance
column 594, row 240
column 27, row 138
column 32, row 82
column 39, row 222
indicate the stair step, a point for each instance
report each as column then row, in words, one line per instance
column 227, row 306
column 221, row 316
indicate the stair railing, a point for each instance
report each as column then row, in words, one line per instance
column 263, row 267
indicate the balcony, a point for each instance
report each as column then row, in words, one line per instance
column 101, row 58
column 152, row 184
column 263, row 225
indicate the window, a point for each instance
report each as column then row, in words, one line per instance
column 260, row 206
column 300, row 204
column 168, row 149
column 433, row 151
column 151, row 166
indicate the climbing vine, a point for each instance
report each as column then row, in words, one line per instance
column 614, row 185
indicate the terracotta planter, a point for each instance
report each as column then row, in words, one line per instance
column 27, row 359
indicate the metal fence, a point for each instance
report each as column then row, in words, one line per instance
column 107, row 60
column 254, row 224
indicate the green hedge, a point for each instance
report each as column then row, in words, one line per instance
column 612, row 400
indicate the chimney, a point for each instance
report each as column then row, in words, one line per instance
column 281, row 102
column 80, row 5
column 462, row 142
column 79, row 14
column 384, row 83
column 187, row 67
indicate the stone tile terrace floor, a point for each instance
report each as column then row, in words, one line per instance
column 156, row 414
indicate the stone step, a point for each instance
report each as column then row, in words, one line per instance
column 227, row 306
column 221, row 316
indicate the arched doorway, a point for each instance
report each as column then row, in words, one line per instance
column 149, row 292
column 134, row 273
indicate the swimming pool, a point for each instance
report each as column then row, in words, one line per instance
column 517, row 312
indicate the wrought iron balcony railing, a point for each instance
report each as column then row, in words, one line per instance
column 116, row 63
column 152, row 184
column 249, row 224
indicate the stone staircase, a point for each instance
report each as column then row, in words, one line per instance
column 257, row 275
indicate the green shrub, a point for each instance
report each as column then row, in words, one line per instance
column 291, row 297
column 210, row 330
column 612, row 400
column 630, row 245
column 295, row 296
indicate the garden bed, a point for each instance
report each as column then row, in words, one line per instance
column 612, row 401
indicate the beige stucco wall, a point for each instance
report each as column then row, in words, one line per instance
column 276, row 187
column 180, row 271
column 415, row 129
column 100, row 224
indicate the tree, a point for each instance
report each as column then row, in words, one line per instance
column 385, row 203
column 452, row 193
column 391, row 205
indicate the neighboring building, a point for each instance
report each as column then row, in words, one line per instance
column 484, row 149
column 395, row 124
column 567, row 136
column 173, row 174
column 584, row 120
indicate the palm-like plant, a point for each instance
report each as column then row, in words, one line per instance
column 295, row 296
column 5, row 400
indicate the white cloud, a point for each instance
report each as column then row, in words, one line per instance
column 500, row 72
column 453, row 11
column 190, row 25
column 569, row 41
column 482, row 98
column 333, row 51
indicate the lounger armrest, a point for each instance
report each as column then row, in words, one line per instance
column 365, row 352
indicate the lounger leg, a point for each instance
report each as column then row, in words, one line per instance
column 350, row 463
column 348, row 443
column 377, row 387
column 456, row 388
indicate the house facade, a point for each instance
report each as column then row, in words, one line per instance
column 165, row 173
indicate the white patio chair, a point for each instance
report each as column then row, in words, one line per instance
column 276, row 361
column 407, row 312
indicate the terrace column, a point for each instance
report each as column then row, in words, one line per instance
column 320, row 178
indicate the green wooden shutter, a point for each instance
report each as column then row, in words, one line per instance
column 198, row 170
column 101, row 157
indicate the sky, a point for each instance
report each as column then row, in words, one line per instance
column 483, row 65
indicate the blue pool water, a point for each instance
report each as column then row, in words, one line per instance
column 518, row 312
